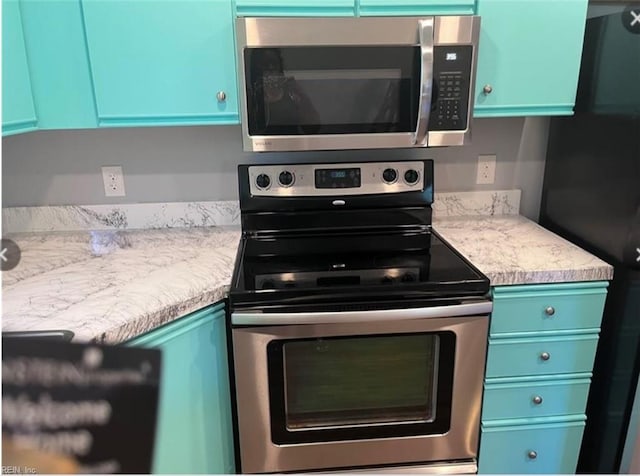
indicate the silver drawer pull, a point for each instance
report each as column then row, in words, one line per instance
column 537, row 399
column 545, row 356
column 550, row 311
column 532, row 454
column 221, row 96
column 488, row 89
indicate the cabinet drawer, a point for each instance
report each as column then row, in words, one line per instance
column 539, row 356
column 531, row 449
column 534, row 399
column 547, row 307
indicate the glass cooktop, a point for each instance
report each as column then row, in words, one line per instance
column 351, row 267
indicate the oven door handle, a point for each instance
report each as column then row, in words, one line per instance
column 336, row 317
column 425, row 32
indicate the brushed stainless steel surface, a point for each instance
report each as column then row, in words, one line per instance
column 425, row 31
column 550, row 311
column 488, row 89
column 371, row 179
column 343, row 31
column 259, row 454
column 274, row 32
column 352, row 31
column 545, row 356
column 532, row 454
column 537, row 399
column 325, row 141
column 292, row 318
column 221, row 96
column 448, row 138
column 436, row 468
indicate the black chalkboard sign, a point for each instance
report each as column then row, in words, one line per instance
column 83, row 408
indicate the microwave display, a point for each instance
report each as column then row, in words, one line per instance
column 338, row 178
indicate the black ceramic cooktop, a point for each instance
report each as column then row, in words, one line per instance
column 376, row 269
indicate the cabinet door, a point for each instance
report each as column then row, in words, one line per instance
column 60, row 76
column 294, row 8
column 194, row 421
column 531, row 449
column 529, row 56
column 416, row 7
column 18, row 111
column 162, row 63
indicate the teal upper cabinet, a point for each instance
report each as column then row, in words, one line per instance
column 60, row 78
column 162, row 63
column 18, row 111
column 416, row 7
column 261, row 8
column 353, row 7
column 529, row 56
column 194, row 432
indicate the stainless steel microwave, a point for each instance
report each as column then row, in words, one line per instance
column 356, row 83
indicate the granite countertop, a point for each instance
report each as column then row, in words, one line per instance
column 511, row 249
column 110, row 286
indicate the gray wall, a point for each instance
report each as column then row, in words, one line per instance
column 163, row 164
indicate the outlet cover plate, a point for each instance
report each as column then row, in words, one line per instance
column 486, row 169
column 113, row 180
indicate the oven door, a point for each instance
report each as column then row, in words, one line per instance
column 355, row 389
column 353, row 83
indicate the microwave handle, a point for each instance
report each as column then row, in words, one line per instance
column 425, row 33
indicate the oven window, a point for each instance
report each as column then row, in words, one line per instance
column 324, row 381
column 361, row 387
column 331, row 90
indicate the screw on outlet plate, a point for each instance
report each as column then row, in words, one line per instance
column 113, row 180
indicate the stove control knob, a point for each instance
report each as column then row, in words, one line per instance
column 263, row 181
column 389, row 175
column 411, row 176
column 408, row 278
column 387, row 280
column 285, row 178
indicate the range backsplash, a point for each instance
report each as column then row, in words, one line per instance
column 214, row 213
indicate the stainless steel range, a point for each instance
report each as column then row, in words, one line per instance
column 359, row 335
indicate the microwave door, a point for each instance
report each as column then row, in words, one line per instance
column 343, row 86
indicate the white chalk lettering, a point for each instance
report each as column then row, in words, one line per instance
column 65, row 442
column 22, row 412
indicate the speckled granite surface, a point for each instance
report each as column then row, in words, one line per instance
column 515, row 250
column 110, row 286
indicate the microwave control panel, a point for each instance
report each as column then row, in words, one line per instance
column 451, row 87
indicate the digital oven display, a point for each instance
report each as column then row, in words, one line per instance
column 338, row 178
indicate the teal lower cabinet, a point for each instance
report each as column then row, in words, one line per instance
column 542, row 344
column 194, row 433
column 531, row 449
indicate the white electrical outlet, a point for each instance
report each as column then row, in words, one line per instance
column 486, row 169
column 113, row 179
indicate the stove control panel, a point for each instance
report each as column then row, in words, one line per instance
column 308, row 180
